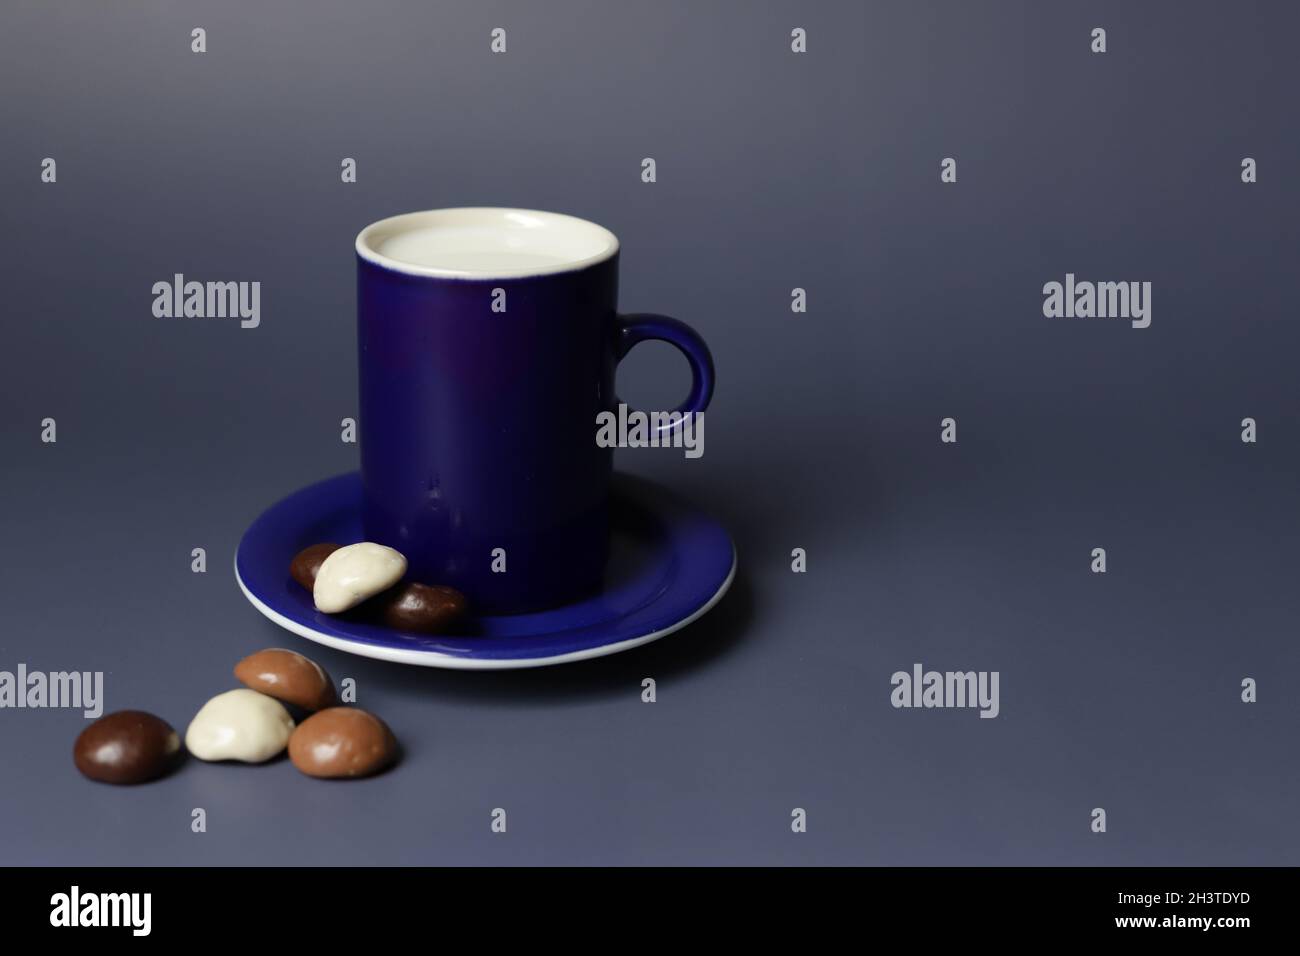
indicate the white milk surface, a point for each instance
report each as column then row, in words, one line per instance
column 489, row 242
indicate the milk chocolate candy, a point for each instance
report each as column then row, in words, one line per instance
column 307, row 562
column 288, row 676
column 342, row 742
column 129, row 746
column 426, row 608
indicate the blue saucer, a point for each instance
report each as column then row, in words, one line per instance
column 669, row 564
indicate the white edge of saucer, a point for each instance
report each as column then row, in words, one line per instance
column 436, row 659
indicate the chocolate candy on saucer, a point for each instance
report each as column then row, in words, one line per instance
column 354, row 573
column 405, row 606
column 426, row 608
column 307, row 562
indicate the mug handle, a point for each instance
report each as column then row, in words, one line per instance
column 640, row 326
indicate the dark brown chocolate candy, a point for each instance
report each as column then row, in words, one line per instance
column 129, row 746
column 288, row 676
column 426, row 608
column 342, row 742
column 307, row 562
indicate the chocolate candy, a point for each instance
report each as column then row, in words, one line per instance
column 426, row 608
column 239, row 725
column 355, row 572
column 307, row 562
column 288, row 676
column 129, row 746
column 342, row 742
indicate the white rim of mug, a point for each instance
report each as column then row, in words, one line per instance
column 370, row 254
column 426, row 658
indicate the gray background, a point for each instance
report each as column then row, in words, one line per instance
column 775, row 170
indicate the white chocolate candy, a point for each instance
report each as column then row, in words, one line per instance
column 353, row 573
column 239, row 725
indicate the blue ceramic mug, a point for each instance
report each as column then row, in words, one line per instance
column 487, row 345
